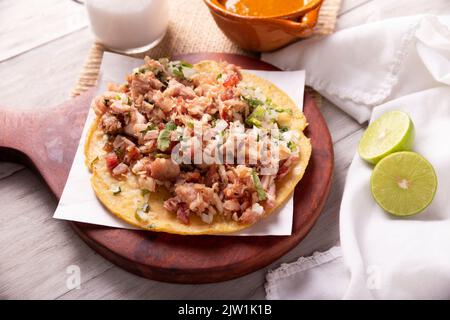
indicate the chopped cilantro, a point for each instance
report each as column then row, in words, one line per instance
column 256, row 117
column 171, row 126
column 162, row 155
column 181, row 69
column 253, row 102
column 94, row 160
column 280, row 110
column 150, row 127
column 291, row 145
column 163, row 141
column 259, row 189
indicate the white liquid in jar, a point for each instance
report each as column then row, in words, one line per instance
column 128, row 24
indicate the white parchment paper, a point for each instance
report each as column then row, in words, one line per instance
column 78, row 201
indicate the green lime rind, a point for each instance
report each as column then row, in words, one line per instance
column 404, row 183
column 392, row 132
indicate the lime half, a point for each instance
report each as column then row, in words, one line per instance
column 392, row 132
column 404, row 183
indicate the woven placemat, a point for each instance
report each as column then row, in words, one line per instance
column 192, row 29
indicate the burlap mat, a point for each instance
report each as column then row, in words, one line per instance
column 192, row 29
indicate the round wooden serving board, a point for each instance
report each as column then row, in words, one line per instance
column 46, row 139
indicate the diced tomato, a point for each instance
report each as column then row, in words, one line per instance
column 224, row 115
column 111, row 160
column 133, row 153
column 231, row 81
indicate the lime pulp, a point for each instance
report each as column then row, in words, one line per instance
column 404, row 183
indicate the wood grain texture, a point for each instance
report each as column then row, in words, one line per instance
column 50, row 143
column 46, row 141
column 26, row 24
column 42, row 77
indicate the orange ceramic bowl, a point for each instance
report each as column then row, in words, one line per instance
column 265, row 33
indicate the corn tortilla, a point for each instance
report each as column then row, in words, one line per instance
column 124, row 205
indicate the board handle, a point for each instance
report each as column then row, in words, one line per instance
column 10, row 136
column 45, row 138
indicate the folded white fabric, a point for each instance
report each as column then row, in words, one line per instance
column 401, row 64
column 362, row 67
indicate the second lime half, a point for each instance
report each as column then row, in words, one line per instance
column 404, row 183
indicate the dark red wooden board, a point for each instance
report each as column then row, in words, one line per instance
column 47, row 139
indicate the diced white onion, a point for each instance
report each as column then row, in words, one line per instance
column 221, row 125
column 143, row 216
column 207, row 218
column 257, row 208
column 237, row 127
column 188, row 72
column 205, row 118
column 287, row 135
column 258, row 94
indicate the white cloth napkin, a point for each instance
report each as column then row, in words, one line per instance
column 401, row 63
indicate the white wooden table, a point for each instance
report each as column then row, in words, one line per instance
column 43, row 45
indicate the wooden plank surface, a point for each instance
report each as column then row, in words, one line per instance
column 46, row 50
column 26, row 79
column 25, row 25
